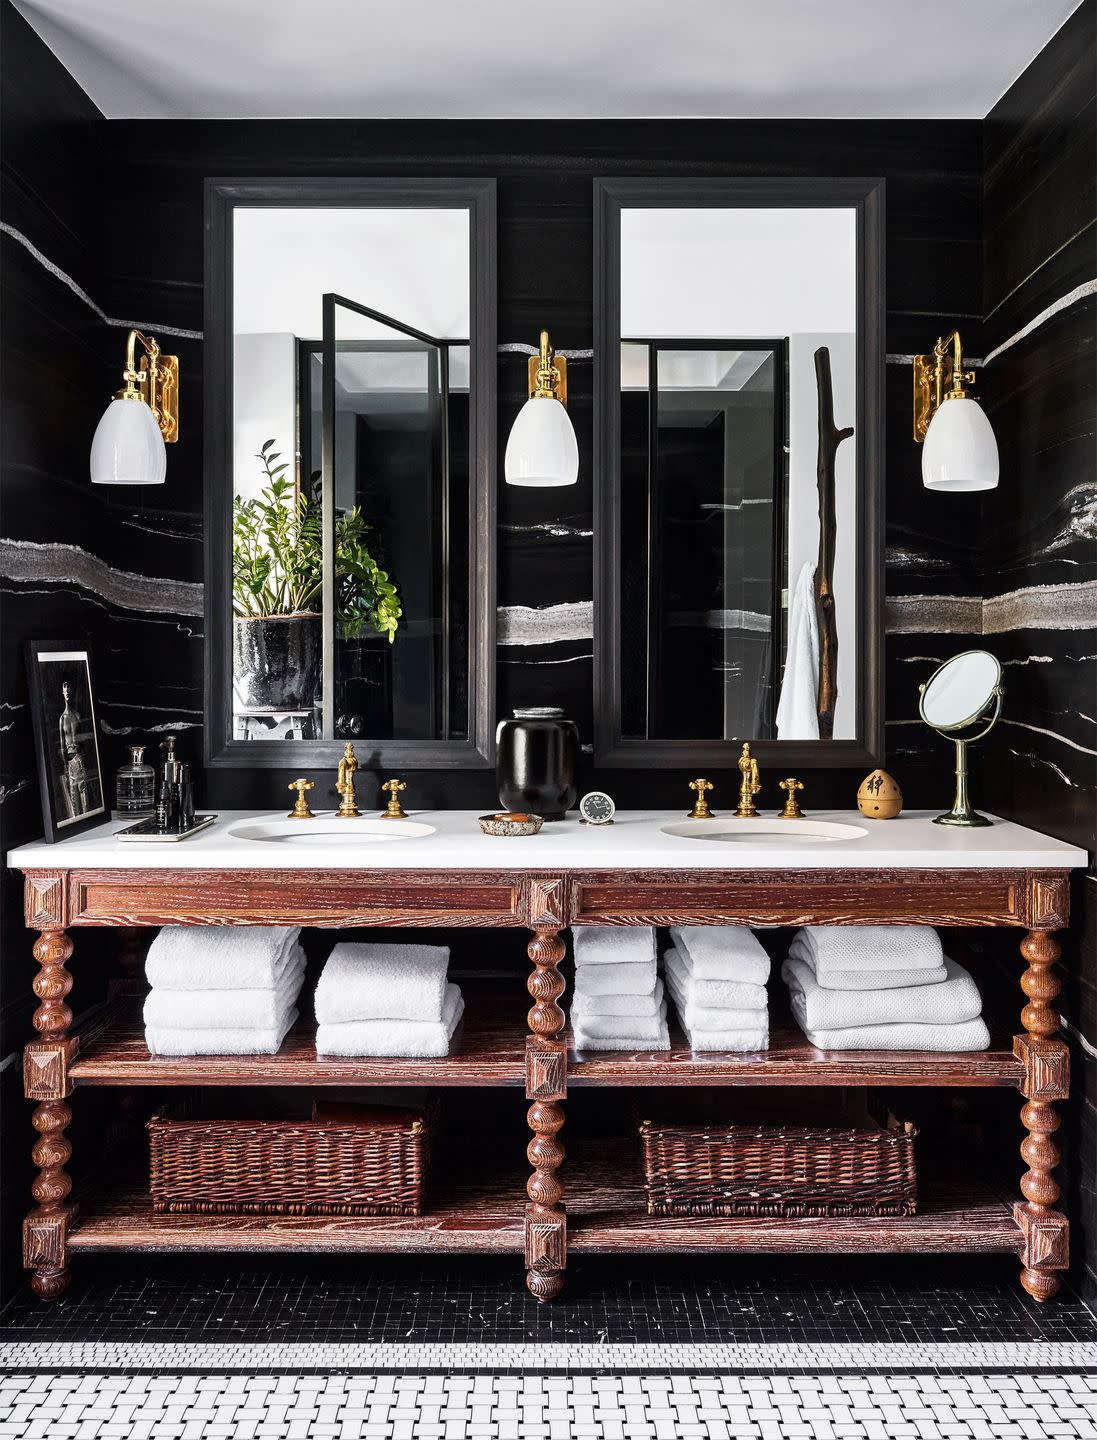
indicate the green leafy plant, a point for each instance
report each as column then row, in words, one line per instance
column 277, row 559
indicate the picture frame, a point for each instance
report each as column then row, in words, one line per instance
column 66, row 737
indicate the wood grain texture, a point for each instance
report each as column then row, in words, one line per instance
column 1046, row 1230
column 546, row 1223
column 45, row 1228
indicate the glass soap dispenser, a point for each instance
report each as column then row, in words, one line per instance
column 135, row 786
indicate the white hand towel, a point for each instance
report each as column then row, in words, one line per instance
column 872, row 947
column 219, row 957
column 646, row 1005
column 866, row 979
column 584, row 1040
column 743, row 1042
column 616, row 1027
column 241, row 1040
column 387, row 981
column 699, row 1017
column 714, row 994
column 797, row 709
column 226, row 1009
column 722, row 952
column 632, row 977
column 970, row 1035
column 958, row 999
column 612, row 944
column 422, row 1039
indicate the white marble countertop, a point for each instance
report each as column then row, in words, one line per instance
column 635, row 841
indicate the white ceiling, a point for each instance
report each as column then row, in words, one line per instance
column 874, row 59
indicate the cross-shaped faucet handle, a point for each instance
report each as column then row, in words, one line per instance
column 700, row 809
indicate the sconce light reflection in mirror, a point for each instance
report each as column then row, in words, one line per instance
column 542, row 449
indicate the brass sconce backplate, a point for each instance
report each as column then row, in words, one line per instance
column 165, row 401
column 925, row 389
column 561, row 389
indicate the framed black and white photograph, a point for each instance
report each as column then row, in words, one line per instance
column 66, row 736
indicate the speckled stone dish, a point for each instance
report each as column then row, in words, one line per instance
column 511, row 822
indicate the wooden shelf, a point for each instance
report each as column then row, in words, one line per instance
column 606, row 1213
column 489, row 1049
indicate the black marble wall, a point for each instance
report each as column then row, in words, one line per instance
column 1040, row 526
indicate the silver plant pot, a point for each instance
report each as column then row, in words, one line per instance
column 276, row 661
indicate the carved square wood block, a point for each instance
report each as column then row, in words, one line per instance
column 546, row 1242
column 547, row 900
column 1046, row 1237
column 546, row 1069
column 46, row 1068
column 1047, row 1067
column 45, row 1238
column 44, row 901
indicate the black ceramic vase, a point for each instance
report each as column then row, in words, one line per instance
column 537, row 762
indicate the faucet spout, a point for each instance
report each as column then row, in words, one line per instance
column 749, row 786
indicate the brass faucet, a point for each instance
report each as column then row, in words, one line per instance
column 301, row 809
column 344, row 784
column 750, row 785
column 395, row 810
column 792, row 809
column 700, row 809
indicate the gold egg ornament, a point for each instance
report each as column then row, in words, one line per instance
column 879, row 798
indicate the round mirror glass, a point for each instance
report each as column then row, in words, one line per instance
column 960, row 690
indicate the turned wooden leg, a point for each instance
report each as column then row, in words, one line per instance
column 45, row 1070
column 546, row 1080
column 1045, row 1229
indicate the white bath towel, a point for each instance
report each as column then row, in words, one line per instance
column 817, row 1008
column 871, row 947
column 797, row 709
column 970, row 1035
column 612, row 944
column 219, row 957
column 427, row 1039
column 240, row 1040
column 615, row 1027
column 714, row 994
column 645, row 1005
column 867, row 979
column 701, row 1017
column 633, row 977
column 722, row 952
column 632, row 1044
column 386, row 981
column 226, row 1009
column 739, row 1042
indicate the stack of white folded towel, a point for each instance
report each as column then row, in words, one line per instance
column 619, row 1002
column 387, row 999
column 882, row 987
column 717, row 977
column 222, row 990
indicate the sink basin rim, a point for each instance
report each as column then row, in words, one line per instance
column 764, row 829
column 329, row 830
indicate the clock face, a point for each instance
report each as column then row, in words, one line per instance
column 597, row 808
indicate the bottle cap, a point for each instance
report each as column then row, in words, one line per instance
column 137, row 754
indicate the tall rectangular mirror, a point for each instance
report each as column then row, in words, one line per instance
column 350, row 427
column 739, row 359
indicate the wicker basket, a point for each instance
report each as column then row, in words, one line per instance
column 344, row 1161
column 779, row 1170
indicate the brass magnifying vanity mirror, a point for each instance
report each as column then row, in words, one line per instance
column 962, row 700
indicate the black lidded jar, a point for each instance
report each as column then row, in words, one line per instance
column 537, row 762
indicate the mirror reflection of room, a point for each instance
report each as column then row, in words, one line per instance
column 350, row 473
column 738, row 511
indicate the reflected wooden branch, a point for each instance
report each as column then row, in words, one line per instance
column 829, row 440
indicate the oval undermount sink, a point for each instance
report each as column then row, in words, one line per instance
column 331, row 831
column 765, row 831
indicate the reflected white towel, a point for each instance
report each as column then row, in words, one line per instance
column 240, row 1040
column 226, row 1009
column 633, row 977
column 219, row 957
column 870, row 947
column 719, row 1018
column 622, row 1004
column 714, row 994
column 612, row 944
column 970, row 1035
column 817, row 1008
column 610, row 1027
column 798, row 707
column 632, row 1044
column 722, row 952
column 385, row 981
column 424, row 1039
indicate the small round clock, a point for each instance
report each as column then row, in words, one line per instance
column 596, row 808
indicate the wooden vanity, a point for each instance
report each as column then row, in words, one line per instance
column 904, row 872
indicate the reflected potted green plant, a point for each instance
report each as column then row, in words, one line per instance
column 277, row 578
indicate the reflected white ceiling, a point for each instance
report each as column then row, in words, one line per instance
column 841, row 59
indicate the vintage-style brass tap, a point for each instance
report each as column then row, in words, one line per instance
column 344, row 784
column 395, row 810
column 301, row 809
column 700, row 809
column 750, row 785
column 792, row 809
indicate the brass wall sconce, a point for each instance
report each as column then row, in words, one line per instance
column 128, row 446
column 542, row 449
column 960, row 451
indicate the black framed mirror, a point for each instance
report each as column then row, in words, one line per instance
column 350, row 492
column 739, row 354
